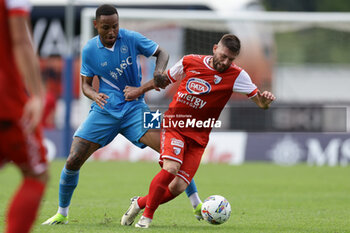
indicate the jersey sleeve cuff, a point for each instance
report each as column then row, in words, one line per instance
column 253, row 93
column 86, row 75
column 155, row 50
column 18, row 12
column 171, row 79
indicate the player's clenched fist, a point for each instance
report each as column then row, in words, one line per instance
column 160, row 80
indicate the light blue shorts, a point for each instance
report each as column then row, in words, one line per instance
column 102, row 127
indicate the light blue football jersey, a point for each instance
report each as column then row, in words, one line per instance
column 116, row 67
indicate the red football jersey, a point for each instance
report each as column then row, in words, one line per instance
column 202, row 94
column 12, row 91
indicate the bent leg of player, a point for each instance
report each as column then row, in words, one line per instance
column 156, row 192
column 81, row 150
column 177, row 186
column 152, row 139
column 139, row 203
column 96, row 131
column 158, row 189
column 134, row 131
column 164, row 180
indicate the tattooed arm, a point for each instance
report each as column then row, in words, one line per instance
column 131, row 93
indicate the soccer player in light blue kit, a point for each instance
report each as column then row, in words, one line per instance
column 112, row 57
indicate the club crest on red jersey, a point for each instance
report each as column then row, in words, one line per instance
column 217, row 79
column 197, row 86
column 177, row 150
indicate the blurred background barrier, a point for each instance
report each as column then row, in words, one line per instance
column 300, row 56
column 235, row 148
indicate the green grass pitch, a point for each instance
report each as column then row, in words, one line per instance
column 264, row 198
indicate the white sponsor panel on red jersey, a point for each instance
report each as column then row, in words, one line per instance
column 197, row 86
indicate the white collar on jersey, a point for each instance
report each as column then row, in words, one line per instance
column 112, row 49
column 206, row 62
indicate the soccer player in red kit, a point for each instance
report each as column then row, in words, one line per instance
column 21, row 101
column 207, row 83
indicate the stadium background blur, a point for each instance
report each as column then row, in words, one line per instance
column 302, row 58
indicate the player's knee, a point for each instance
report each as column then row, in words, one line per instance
column 73, row 162
column 171, row 166
column 80, row 151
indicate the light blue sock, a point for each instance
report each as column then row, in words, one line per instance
column 68, row 182
column 191, row 188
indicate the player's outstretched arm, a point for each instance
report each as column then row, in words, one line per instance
column 263, row 100
column 90, row 92
column 160, row 81
column 28, row 64
column 132, row 93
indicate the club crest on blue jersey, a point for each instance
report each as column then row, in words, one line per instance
column 124, row 49
column 152, row 120
column 197, row 86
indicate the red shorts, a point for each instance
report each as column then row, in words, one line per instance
column 25, row 150
column 182, row 149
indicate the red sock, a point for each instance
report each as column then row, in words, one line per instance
column 142, row 201
column 157, row 190
column 24, row 206
column 167, row 197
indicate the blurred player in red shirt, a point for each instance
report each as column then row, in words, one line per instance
column 206, row 85
column 21, row 101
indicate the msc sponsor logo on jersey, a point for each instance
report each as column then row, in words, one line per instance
column 197, row 86
column 120, row 70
